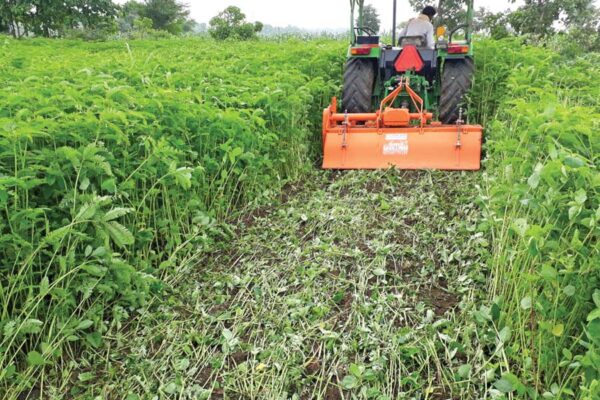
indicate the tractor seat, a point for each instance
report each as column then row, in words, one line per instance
column 367, row 40
column 417, row 41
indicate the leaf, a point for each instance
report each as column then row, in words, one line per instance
column 514, row 382
column 86, row 212
column 464, row 371
column 94, row 270
column 593, row 315
column 510, row 383
column 44, row 286
column 85, row 376
column 58, row 235
column 596, row 297
column 504, row 386
column 121, row 235
column 356, row 370
column 110, row 185
column 235, row 153
column 84, row 325
column 548, row 272
column 350, row 382
column 580, row 197
column 574, row 162
column 504, row 334
column 526, row 303
column 183, row 177
column 94, row 339
column 171, row 388
column 99, row 252
column 573, row 212
column 85, row 183
column 8, row 372
column 520, row 225
column 495, row 312
column 534, row 180
column 227, row 334
column 558, row 330
column 379, row 272
column 34, row 358
column 182, row 365
column 31, row 326
column 593, row 329
column 569, row 290
column 116, row 213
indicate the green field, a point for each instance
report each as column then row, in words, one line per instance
column 166, row 233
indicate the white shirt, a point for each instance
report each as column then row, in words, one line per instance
column 420, row 26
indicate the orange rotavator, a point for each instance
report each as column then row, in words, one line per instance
column 388, row 90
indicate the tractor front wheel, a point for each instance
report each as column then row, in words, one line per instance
column 359, row 80
column 457, row 79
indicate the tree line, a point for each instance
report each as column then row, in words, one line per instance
column 59, row 18
column 55, row 18
column 580, row 19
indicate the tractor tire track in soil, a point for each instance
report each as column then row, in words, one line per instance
column 353, row 286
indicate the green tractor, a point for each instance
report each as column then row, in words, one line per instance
column 441, row 76
column 403, row 103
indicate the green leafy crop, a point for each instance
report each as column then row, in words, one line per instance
column 542, row 206
column 116, row 159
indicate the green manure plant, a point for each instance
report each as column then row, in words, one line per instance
column 542, row 207
column 118, row 160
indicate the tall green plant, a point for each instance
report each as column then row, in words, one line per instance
column 543, row 206
column 118, row 160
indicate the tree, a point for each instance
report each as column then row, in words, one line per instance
column 142, row 26
column 370, row 18
column 190, row 26
column 231, row 23
column 53, row 17
column 538, row 17
column 202, row 27
column 451, row 13
column 130, row 13
column 92, row 14
column 167, row 15
column 495, row 25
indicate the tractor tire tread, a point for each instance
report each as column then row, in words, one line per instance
column 359, row 79
column 457, row 79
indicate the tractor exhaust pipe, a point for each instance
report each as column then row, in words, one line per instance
column 394, row 22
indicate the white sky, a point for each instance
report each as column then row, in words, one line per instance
column 313, row 14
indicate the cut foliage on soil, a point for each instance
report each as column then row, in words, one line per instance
column 354, row 285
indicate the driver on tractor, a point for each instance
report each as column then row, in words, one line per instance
column 421, row 27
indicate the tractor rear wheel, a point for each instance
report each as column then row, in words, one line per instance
column 359, row 79
column 457, row 79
